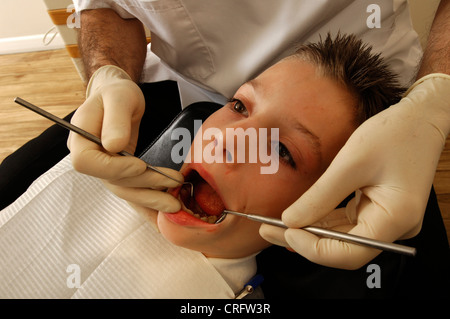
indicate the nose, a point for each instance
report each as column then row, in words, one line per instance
column 238, row 145
column 223, row 151
column 242, row 145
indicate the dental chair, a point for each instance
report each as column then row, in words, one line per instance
column 286, row 275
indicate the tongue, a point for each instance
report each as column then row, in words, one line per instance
column 208, row 199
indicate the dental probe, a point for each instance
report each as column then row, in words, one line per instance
column 88, row 135
column 373, row 243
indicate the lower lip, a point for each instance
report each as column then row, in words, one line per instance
column 185, row 219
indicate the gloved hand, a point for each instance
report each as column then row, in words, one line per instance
column 112, row 111
column 391, row 161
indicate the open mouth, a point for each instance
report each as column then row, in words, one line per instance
column 206, row 204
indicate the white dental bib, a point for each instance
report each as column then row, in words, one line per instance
column 69, row 237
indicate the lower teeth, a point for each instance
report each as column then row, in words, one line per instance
column 209, row 219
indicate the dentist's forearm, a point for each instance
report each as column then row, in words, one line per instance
column 107, row 39
column 436, row 58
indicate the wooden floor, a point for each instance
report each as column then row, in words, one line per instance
column 50, row 80
column 47, row 79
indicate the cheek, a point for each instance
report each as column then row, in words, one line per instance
column 272, row 195
column 245, row 239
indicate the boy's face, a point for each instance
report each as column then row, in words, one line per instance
column 314, row 116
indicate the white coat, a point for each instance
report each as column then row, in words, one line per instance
column 213, row 46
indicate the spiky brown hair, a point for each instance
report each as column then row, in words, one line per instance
column 350, row 62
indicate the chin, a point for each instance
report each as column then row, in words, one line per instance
column 180, row 230
column 232, row 238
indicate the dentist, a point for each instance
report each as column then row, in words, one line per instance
column 389, row 161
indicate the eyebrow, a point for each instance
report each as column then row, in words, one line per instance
column 313, row 138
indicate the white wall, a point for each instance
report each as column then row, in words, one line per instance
column 23, row 18
column 22, row 26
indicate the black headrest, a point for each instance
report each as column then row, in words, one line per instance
column 158, row 153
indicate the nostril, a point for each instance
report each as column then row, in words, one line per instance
column 229, row 156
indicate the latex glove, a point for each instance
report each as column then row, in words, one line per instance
column 391, row 160
column 112, row 111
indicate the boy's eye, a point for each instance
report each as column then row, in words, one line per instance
column 239, row 107
column 285, row 155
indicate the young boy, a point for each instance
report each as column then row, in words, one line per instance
column 69, row 237
column 316, row 98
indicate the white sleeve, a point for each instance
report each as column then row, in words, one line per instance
column 81, row 5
